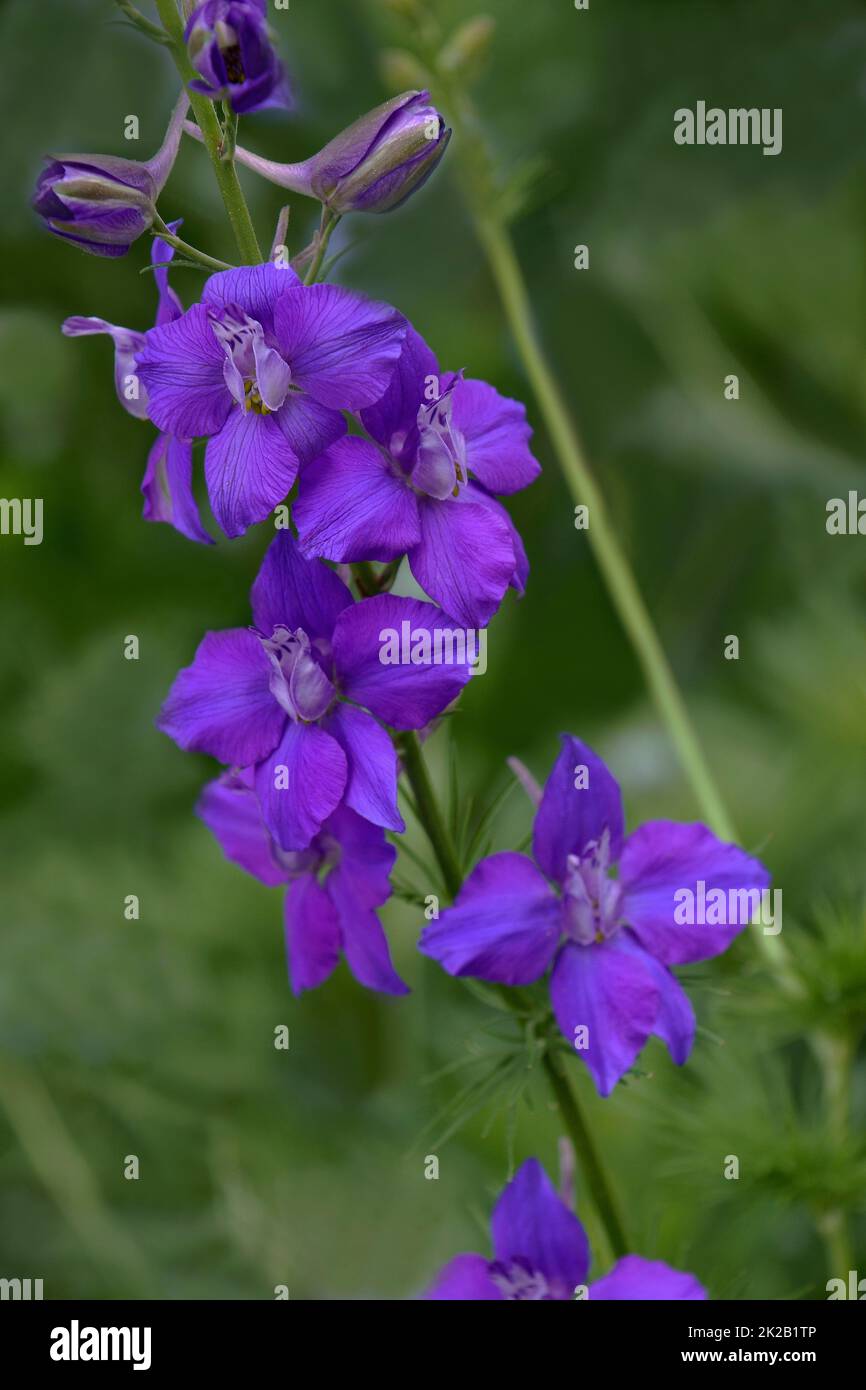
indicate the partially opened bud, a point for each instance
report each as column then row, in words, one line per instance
column 103, row 203
column 230, row 47
column 373, row 166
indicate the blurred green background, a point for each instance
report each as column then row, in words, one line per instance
column 155, row 1038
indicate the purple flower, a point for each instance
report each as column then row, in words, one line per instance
column 332, row 888
column 290, row 696
column 440, row 447
column 229, row 46
column 102, row 203
column 264, row 367
column 610, row 941
column 541, row 1253
column 167, row 483
column 374, row 165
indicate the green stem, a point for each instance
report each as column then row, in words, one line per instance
column 571, row 1115
column 581, row 1138
column 161, row 231
column 836, row 1057
column 224, row 169
column 323, row 236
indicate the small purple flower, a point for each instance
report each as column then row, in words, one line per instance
column 167, row 483
column 103, row 203
column 440, row 447
column 290, row 696
column 263, row 367
column 229, row 46
column 374, row 165
column 610, row 941
column 541, row 1253
column 333, row 887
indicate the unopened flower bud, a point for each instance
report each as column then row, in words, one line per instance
column 230, row 48
column 103, row 203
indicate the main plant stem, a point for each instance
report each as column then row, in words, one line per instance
column 224, row 169
column 571, row 1115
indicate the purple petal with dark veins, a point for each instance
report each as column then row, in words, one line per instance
column 309, row 428
column 254, row 289
column 497, row 437
column 249, row 469
column 167, row 488
column 465, row 1279
column 231, row 812
column 313, row 936
column 505, row 924
column 341, row 348
column 571, row 817
column 300, row 784
column 531, row 1222
column 393, row 420
column 221, row 704
column 612, row 994
column 406, row 695
column 662, row 858
column 464, row 560
column 371, row 789
column 181, row 365
column 351, row 506
column 291, row 591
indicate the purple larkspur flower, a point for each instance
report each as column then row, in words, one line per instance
column 374, row 165
column 333, row 887
column 103, row 203
column 423, row 484
column 263, row 367
column 167, row 482
column 541, row 1254
column 611, row 941
column 300, row 696
column 230, row 48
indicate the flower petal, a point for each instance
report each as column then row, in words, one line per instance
column 371, row 789
column 231, row 812
column 633, row 1277
column 126, row 344
column 664, row 858
column 167, row 488
column 221, row 704
column 609, row 992
column 571, row 817
column 312, row 934
column 309, row 428
column 464, row 1279
column 497, row 437
column 254, row 289
column 341, row 347
column 300, row 784
column 408, row 693
column 364, row 941
column 181, row 366
column 351, row 506
column 393, row 420
column 504, row 926
column 465, row 558
column 291, row 591
column 675, row 1020
column 249, row 469
column 531, row 1222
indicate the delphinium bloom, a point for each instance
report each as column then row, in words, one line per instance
column 103, row 203
column 263, row 367
column 611, row 941
column 300, row 696
column 541, row 1254
column 423, row 483
column 230, row 48
column 167, row 483
column 374, row 165
column 333, row 887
